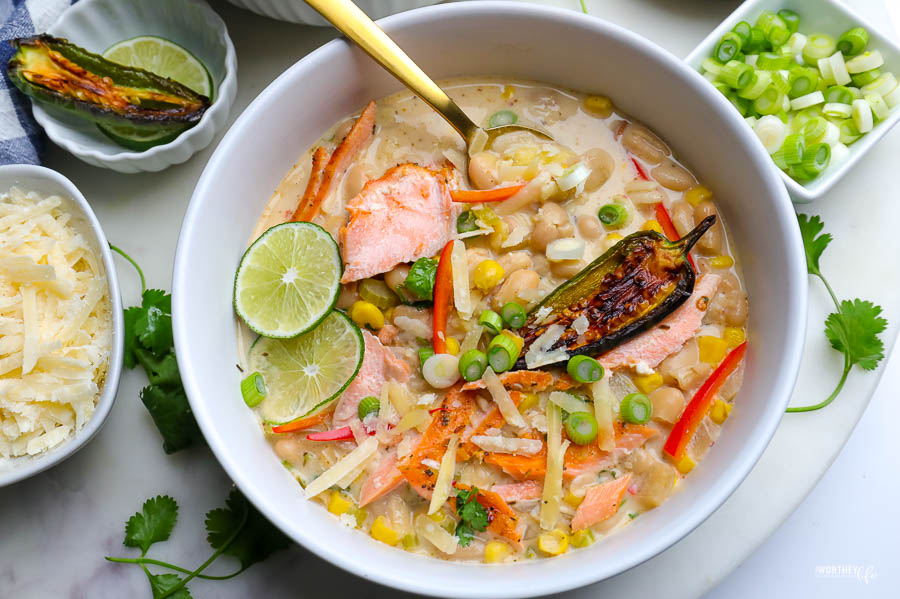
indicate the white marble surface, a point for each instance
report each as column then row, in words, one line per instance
column 57, row 527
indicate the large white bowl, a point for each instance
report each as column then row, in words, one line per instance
column 48, row 182
column 297, row 11
column 520, row 41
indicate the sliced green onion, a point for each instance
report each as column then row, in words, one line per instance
column 838, row 69
column 832, row 134
column 424, row 354
column 503, row 117
column 767, row 20
column 378, row 293
column 771, row 131
column 778, row 36
column 839, row 153
column 723, row 88
column 759, row 82
column 613, row 215
column 808, row 100
column 818, row 45
column 879, row 106
column 838, row 109
column 465, row 222
column 751, row 59
column 728, row 47
column 513, row 315
column 780, row 81
column 790, row 18
column 742, row 30
column 862, row 116
column 751, row 121
column 865, row 62
column 253, row 389
column 736, row 74
column 472, row 364
column 769, row 102
column 491, row 321
column 636, row 408
column 793, row 149
column 778, row 159
column 815, row 159
column 814, row 130
column 368, row 405
column 893, row 98
column 757, row 42
column 803, row 81
column 743, row 105
column 838, row 94
column 502, row 353
column 849, row 132
column 712, row 66
column 855, row 92
column 795, row 44
column 853, row 41
column 825, row 69
column 865, row 78
column 770, row 61
column 584, row 369
column 882, row 86
column 798, row 174
column 581, row 428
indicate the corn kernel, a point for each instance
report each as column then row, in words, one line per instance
column 520, row 343
column 647, row 383
column 722, row 262
column 487, row 274
column 685, row 464
column 360, row 516
column 452, row 346
column 384, row 533
column 508, row 92
column 529, row 400
column 611, row 239
column 496, row 551
column 582, row 538
column 338, row 504
column 573, row 500
column 652, row 225
column 712, row 349
column 555, row 542
column 733, row 336
column 700, row 193
column 366, row 314
column 719, row 411
column 599, row 105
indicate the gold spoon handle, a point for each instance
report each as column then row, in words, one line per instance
column 356, row 25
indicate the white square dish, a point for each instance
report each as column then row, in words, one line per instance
column 833, row 18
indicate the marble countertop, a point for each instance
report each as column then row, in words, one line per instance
column 57, row 527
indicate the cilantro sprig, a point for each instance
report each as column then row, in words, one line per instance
column 853, row 329
column 149, row 342
column 237, row 530
column 472, row 516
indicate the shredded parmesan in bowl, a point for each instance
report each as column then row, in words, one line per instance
column 55, row 325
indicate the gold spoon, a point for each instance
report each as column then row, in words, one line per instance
column 358, row 27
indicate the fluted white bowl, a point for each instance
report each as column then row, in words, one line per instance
column 98, row 24
column 297, row 11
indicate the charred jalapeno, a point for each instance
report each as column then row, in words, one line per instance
column 60, row 74
column 630, row 288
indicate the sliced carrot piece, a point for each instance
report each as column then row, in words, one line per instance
column 600, row 502
column 382, row 481
column 502, row 520
column 475, row 196
column 302, row 423
column 319, row 160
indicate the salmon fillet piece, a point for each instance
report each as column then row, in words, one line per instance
column 600, row 502
column 522, row 380
column 502, row 520
column 382, row 481
column 493, row 419
column 528, row 490
column 666, row 338
column 379, row 365
column 405, row 215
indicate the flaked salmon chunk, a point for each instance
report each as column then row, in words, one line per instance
column 405, row 215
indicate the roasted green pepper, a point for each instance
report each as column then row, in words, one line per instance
column 61, row 74
column 626, row 291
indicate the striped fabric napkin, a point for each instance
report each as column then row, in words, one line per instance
column 21, row 139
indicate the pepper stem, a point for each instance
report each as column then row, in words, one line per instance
column 688, row 241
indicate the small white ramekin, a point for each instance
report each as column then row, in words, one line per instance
column 96, row 25
column 48, row 182
column 833, row 18
column 297, row 11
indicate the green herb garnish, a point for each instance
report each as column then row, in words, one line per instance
column 472, row 516
column 237, row 529
column 420, row 280
column 853, row 329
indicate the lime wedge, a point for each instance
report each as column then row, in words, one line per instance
column 165, row 58
column 305, row 374
column 288, row 280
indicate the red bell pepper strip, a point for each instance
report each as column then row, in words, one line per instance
column 345, row 433
column 300, row 424
column 668, row 227
column 487, row 195
column 693, row 415
column 640, row 170
column 443, row 290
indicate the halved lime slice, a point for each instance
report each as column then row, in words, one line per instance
column 165, row 58
column 305, row 374
column 137, row 139
column 288, row 280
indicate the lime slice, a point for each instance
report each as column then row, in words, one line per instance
column 137, row 139
column 288, row 280
column 305, row 374
column 165, row 58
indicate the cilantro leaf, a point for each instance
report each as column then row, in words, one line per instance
column 172, row 415
column 252, row 537
column 130, row 316
column 813, row 243
column 161, row 584
column 152, row 524
column 472, row 515
column 154, row 324
column 854, row 332
column 161, row 371
column 421, row 277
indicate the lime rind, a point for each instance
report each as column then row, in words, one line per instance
column 315, row 293
column 130, row 43
column 285, row 364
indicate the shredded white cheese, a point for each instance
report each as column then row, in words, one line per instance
column 55, row 325
column 444, row 482
column 539, row 353
column 569, row 402
column 556, row 452
column 581, row 324
column 460, row 272
column 429, row 530
column 497, row 444
column 343, row 467
column 504, row 402
column 603, row 412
